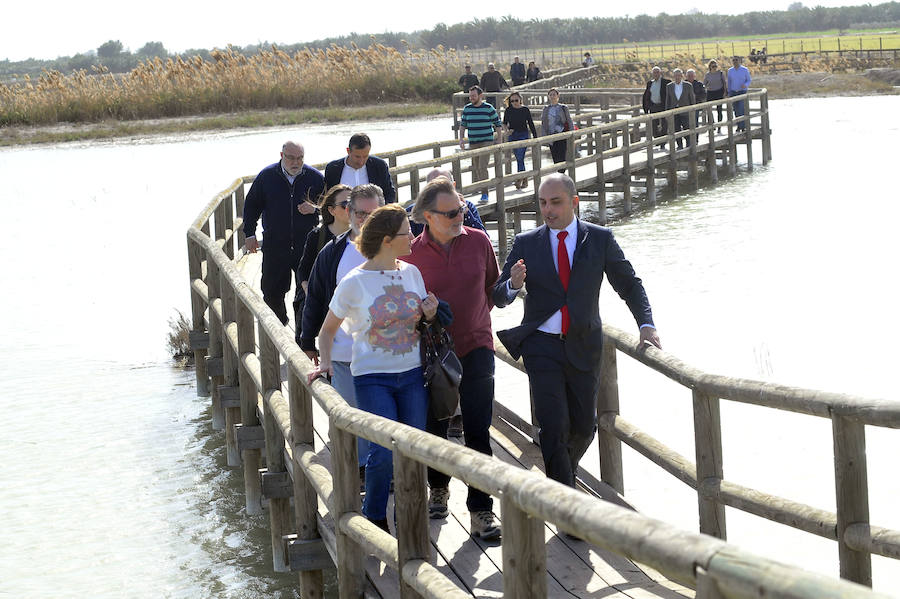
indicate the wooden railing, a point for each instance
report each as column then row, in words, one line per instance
column 239, row 362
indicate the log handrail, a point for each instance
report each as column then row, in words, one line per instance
column 252, row 342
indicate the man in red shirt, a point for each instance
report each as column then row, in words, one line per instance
column 446, row 246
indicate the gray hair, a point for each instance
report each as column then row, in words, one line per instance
column 366, row 190
column 565, row 180
column 438, row 172
column 679, row 71
column 655, row 69
column 690, row 71
column 427, row 198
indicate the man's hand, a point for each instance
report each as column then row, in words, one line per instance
column 312, row 355
column 429, row 306
column 306, row 208
column 251, row 245
column 649, row 337
column 517, row 275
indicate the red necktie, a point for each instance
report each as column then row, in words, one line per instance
column 562, row 261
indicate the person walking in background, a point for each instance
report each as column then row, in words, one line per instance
column 680, row 93
column 517, row 122
column 715, row 84
column 699, row 94
column 555, row 118
column 358, row 167
column 284, row 194
column 468, row 79
column 446, row 246
column 335, row 220
column 654, row 100
column 332, row 264
column 480, row 119
column 492, row 81
column 517, row 72
column 738, row 81
column 533, row 73
column 588, row 61
column 471, row 217
column 561, row 265
column 382, row 302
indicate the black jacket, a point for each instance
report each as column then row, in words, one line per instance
column 273, row 197
column 320, row 288
column 376, row 169
column 645, row 100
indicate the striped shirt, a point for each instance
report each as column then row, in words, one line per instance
column 480, row 121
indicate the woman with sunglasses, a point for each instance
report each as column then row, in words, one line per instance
column 517, row 120
column 382, row 301
column 715, row 85
column 335, row 220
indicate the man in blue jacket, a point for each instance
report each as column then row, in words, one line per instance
column 285, row 194
column 359, row 168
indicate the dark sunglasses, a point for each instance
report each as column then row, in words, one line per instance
column 451, row 214
column 344, row 204
column 515, row 101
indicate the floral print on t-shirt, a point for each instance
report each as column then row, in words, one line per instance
column 394, row 318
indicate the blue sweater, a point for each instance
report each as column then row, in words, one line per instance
column 273, row 197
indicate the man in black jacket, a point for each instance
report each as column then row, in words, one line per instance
column 285, row 194
column 359, row 168
column 654, row 100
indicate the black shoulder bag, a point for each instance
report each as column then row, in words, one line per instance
column 443, row 370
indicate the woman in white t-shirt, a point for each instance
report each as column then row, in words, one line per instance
column 379, row 303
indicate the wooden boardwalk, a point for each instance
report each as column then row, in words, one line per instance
column 296, row 442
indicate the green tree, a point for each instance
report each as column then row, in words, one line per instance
column 110, row 49
column 153, row 49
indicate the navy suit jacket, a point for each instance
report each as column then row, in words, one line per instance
column 596, row 254
column 376, row 170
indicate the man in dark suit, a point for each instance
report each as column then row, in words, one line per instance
column 654, row 100
column 561, row 265
column 680, row 93
column 359, row 168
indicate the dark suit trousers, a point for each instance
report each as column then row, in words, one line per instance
column 565, row 404
column 278, row 266
column 682, row 123
column 660, row 126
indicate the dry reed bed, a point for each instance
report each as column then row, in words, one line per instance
column 233, row 82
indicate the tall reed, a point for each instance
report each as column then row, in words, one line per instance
column 231, row 81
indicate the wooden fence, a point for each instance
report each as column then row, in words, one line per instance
column 240, row 348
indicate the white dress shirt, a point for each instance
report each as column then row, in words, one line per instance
column 354, row 176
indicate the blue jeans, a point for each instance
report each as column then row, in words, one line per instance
column 476, row 402
column 519, row 153
column 342, row 381
column 739, row 108
column 400, row 396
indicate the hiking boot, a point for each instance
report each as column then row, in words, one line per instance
column 437, row 503
column 483, row 526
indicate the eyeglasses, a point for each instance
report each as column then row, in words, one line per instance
column 515, row 101
column 290, row 158
column 451, row 214
column 361, row 214
column 344, row 204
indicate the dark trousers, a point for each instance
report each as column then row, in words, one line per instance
column 565, row 404
column 299, row 300
column 558, row 151
column 716, row 95
column 476, row 400
column 660, row 126
column 682, row 122
column 278, row 267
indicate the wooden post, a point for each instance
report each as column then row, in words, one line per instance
column 414, row 183
column 411, row 501
column 305, row 500
column 712, row 168
column 392, row 163
column 249, row 417
column 570, row 154
column 626, row 169
column 502, row 232
column 457, row 172
column 215, row 341
column 651, row 167
column 732, row 146
column 351, row 565
column 195, row 271
column 229, row 373
column 524, row 554
column 536, row 165
column 219, row 215
column 673, row 159
column 766, row 140
column 852, row 494
column 692, row 155
column 601, row 180
column 279, row 507
column 239, row 210
column 610, row 447
column 436, row 151
column 708, row 448
column 229, row 225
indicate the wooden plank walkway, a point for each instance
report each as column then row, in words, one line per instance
column 574, row 568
